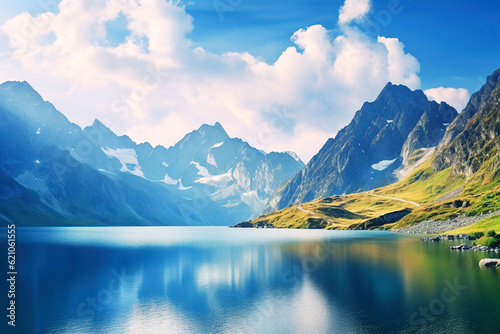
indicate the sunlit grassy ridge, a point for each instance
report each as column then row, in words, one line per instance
column 481, row 190
column 336, row 212
column 423, row 185
column 484, row 185
column 434, row 191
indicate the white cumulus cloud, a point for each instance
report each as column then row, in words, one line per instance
column 156, row 86
column 455, row 97
column 353, row 10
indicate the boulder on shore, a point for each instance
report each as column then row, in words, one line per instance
column 491, row 263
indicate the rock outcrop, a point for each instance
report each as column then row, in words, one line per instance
column 388, row 218
column 491, row 263
column 478, row 140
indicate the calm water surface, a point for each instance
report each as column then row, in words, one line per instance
column 221, row 280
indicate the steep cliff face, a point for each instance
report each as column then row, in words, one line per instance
column 429, row 130
column 364, row 155
column 478, row 141
column 476, row 101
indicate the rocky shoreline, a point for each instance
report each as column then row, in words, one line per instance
column 461, row 247
column 436, row 226
column 464, row 247
column 487, row 262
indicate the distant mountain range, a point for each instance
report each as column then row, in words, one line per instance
column 54, row 173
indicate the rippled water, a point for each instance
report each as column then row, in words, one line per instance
column 221, row 280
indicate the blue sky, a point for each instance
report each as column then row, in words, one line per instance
column 292, row 58
column 456, row 42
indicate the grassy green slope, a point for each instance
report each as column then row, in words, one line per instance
column 336, row 212
column 467, row 169
column 434, row 191
column 491, row 223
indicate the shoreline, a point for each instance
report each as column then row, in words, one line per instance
column 437, row 226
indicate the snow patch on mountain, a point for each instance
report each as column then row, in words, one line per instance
column 217, row 145
column 211, row 160
column 168, row 180
column 381, row 165
column 202, row 171
column 105, row 171
column 126, row 156
column 181, row 187
column 221, row 180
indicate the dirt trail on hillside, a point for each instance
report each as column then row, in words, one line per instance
column 396, row 199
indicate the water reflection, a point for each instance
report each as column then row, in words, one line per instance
column 218, row 280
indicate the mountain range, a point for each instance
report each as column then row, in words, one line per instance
column 400, row 152
column 55, row 173
column 442, row 170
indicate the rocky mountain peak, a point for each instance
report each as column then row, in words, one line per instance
column 477, row 100
column 472, row 138
column 21, row 90
column 100, row 126
column 215, row 130
column 366, row 153
column 400, row 93
column 481, row 96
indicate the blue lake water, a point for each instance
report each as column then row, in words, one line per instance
column 221, row 280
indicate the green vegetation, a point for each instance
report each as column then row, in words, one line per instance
column 434, row 190
column 484, row 186
column 480, row 228
column 481, row 191
column 476, row 235
column 491, row 239
column 424, row 184
column 416, row 156
column 488, row 241
column 336, row 212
